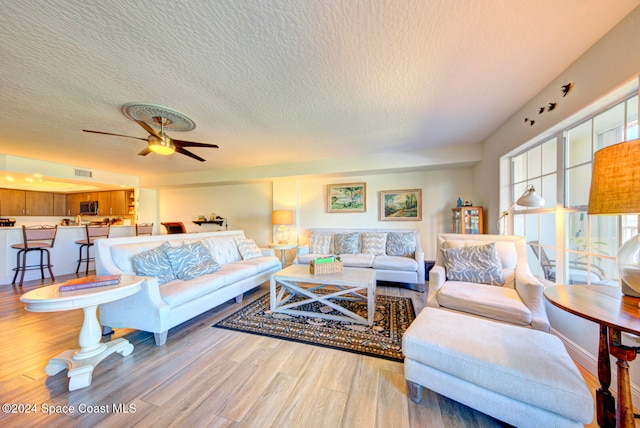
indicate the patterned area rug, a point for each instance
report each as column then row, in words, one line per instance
column 383, row 340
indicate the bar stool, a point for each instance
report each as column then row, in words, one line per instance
column 144, row 229
column 34, row 238
column 92, row 232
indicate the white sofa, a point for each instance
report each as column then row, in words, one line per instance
column 395, row 268
column 519, row 301
column 157, row 308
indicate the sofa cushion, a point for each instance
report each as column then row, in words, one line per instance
column 155, row 263
column 248, row 249
column 374, row 243
column 401, row 244
column 357, row 260
column 178, row 292
column 187, row 256
column 345, row 243
column 499, row 303
column 223, row 249
column 480, row 264
column 395, row 263
column 202, row 268
column 320, row 243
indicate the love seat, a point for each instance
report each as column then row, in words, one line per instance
column 466, row 285
column 237, row 265
column 395, row 254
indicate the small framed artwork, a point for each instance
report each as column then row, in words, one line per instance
column 347, row 198
column 401, row 205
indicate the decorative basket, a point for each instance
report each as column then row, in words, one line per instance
column 324, row 268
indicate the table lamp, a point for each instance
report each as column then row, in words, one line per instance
column 282, row 218
column 528, row 199
column 615, row 190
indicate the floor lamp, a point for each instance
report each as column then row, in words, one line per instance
column 615, row 190
column 528, row 199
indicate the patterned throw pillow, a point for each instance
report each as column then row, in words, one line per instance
column 186, row 256
column 345, row 243
column 320, row 243
column 480, row 264
column 374, row 243
column 195, row 271
column 248, row 249
column 401, row 244
column 154, row 263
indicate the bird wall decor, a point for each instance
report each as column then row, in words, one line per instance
column 566, row 89
column 552, row 105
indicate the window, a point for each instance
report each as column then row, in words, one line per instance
column 560, row 170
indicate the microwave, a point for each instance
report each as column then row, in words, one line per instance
column 89, row 208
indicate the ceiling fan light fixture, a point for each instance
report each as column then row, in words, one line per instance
column 161, row 146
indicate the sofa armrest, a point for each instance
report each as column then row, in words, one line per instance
column 267, row 252
column 303, row 251
column 531, row 292
column 437, row 278
column 145, row 310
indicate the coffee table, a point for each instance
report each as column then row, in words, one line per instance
column 80, row 363
column 297, row 280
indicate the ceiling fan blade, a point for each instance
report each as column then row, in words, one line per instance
column 145, row 152
column 188, row 153
column 192, row 144
column 148, row 128
column 116, row 135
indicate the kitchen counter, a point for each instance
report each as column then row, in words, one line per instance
column 64, row 254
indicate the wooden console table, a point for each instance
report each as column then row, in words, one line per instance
column 615, row 314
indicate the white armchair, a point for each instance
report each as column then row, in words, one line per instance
column 519, row 301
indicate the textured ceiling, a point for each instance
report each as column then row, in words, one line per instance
column 274, row 82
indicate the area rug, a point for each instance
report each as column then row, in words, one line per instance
column 383, row 340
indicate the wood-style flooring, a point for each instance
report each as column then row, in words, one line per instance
column 211, row 377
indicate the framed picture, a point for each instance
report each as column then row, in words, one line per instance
column 347, row 198
column 401, row 205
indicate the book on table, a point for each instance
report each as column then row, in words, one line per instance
column 91, row 281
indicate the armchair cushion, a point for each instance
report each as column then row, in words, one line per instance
column 479, row 264
column 498, row 303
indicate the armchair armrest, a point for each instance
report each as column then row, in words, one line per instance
column 531, row 293
column 437, row 278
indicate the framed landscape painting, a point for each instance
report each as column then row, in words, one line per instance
column 347, row 198
column 401, row 205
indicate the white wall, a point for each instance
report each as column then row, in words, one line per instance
column 248, row 206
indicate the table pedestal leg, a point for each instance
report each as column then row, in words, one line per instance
column 80, row 363
column 624, row 354
column 605, row 403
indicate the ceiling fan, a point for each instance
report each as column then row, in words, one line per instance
column 160, row 142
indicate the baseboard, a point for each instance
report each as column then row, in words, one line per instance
column 590, row 363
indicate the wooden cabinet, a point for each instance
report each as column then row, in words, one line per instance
column 59, row 204
column 118, row 202
column 38, row 203
column 104, row 203
column 12, row 202
column 73, row 203
column 467, row 220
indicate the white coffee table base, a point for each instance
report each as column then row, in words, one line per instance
column 343, row 286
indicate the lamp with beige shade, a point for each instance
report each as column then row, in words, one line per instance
column 615, row 190
column 282, row 218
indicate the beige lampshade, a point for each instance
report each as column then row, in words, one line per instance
column 282, row 217
column 615, row 180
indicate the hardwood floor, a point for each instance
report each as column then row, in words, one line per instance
column 206, row 376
